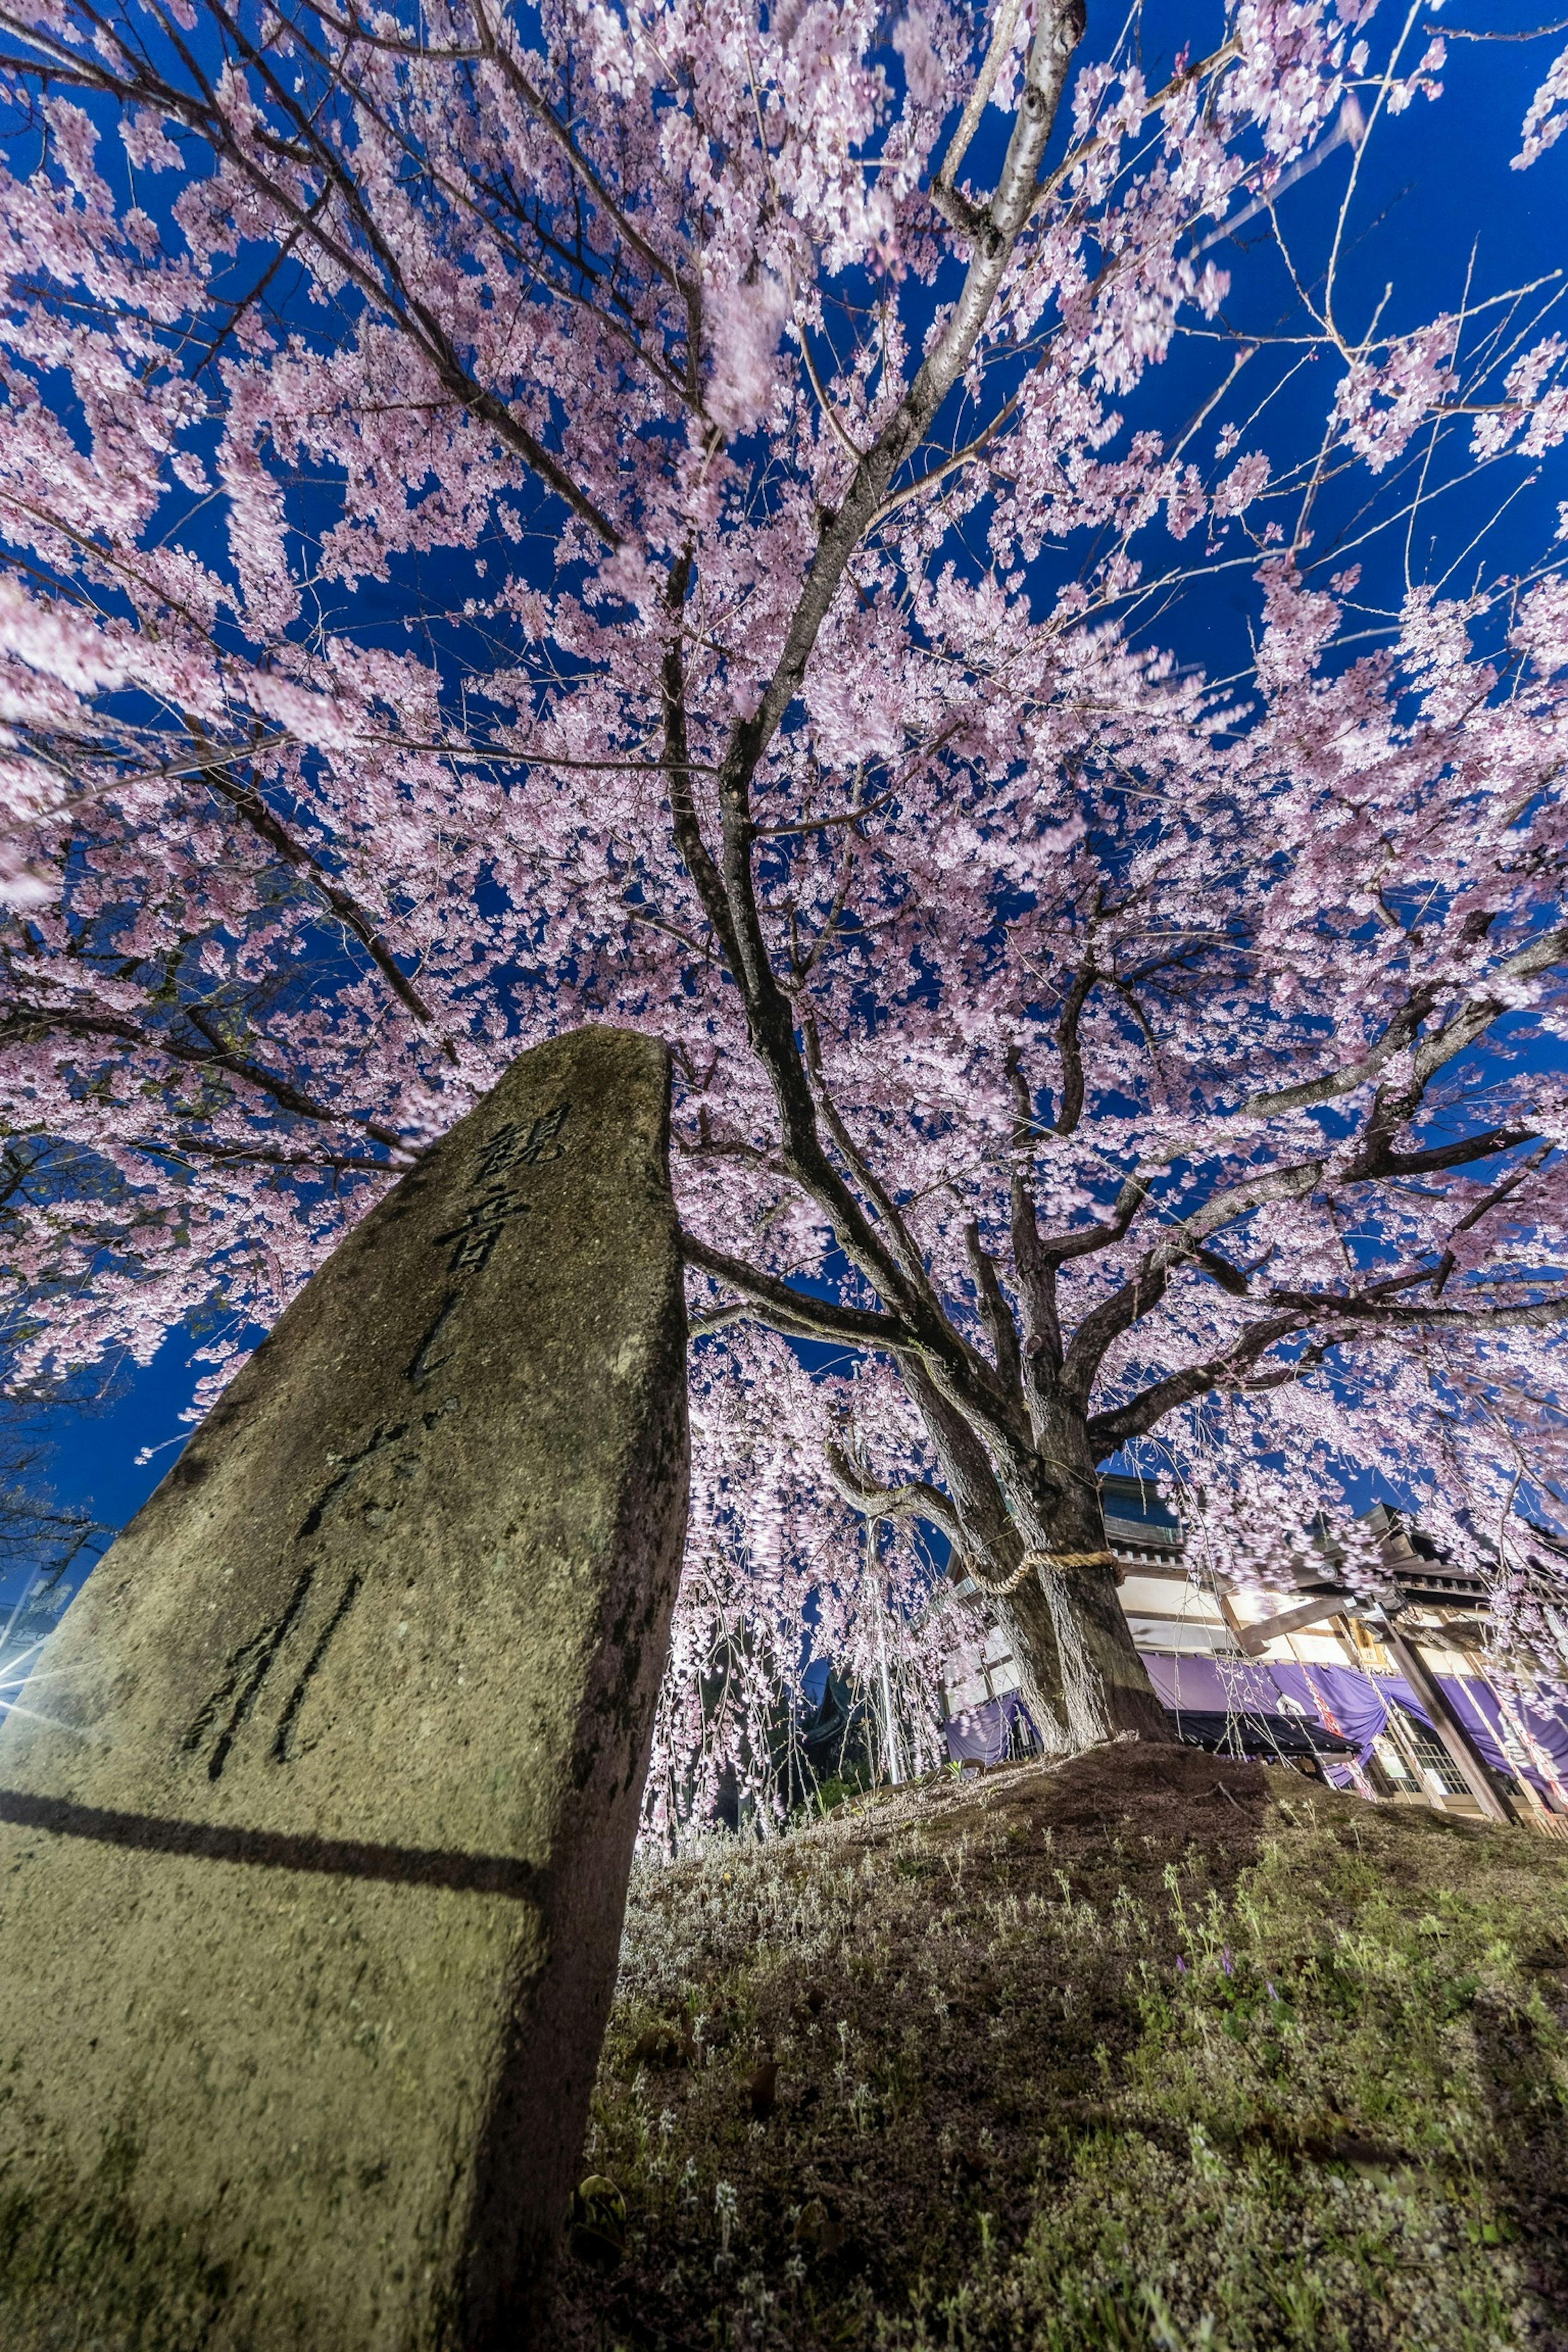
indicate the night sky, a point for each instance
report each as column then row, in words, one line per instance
column 1439, row 182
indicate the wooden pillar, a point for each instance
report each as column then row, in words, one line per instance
column 1494, row 1801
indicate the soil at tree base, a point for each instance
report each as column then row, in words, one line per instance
column 1148, row 2050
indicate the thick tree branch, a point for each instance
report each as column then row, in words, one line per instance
column 1057, row 1248
column 1001, row 41
column 1369, row 1312
column 1398, row 1034
column 1393, row 1107
column 24, row 1023
column 1326, row 1307
column 1472, row 1019
column 1041, row 1353
column 1072, row 1111
column 994, row 1309
column 900, row 1239
column 769, row 1015
column 768, row 1298
column 250, row 804
column 1452, row 1155
column 1146, row 1286
column 913, row 1500
column 968, row 1473
column 1108, row 1431
column 685, row 822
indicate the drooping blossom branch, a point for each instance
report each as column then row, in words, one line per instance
column 513, row 517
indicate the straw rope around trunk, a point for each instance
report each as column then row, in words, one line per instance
column 1041, row 1559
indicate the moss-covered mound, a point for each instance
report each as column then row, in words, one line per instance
column 1147, row 2051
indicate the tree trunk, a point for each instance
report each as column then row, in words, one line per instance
column 1074, row 1647
column 1082, row 1679
column 1071, row 1639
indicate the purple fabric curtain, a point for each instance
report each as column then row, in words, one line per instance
column 1549, row 1725
column 1345, row 1701
column 1533, row 1745
column 1197, row 1682
column 1349, row 1707
column 1343, row 1698
column 1475, row 1704
column 986, row 1734
column 1355, row 1705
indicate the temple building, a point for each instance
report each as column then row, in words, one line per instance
column 1388, row 1693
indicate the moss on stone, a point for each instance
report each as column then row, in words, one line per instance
column 75, row 2270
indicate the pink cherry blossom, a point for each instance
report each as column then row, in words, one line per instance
column 680, row 516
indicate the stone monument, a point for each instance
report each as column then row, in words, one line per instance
column 314, row 1835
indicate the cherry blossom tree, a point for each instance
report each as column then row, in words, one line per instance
column 667, row 513
column 773, row 1580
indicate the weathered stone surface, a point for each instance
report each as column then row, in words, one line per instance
column 310, row 1889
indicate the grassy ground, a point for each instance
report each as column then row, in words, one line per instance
column 1145, row 2051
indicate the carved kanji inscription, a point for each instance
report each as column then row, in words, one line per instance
column 310, row 1879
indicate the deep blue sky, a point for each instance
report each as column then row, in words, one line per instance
column 1441, row 184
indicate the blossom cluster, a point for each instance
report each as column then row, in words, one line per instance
column 514, row 518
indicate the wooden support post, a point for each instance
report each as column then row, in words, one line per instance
column 1494, row 1801
column 1252, row 1640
